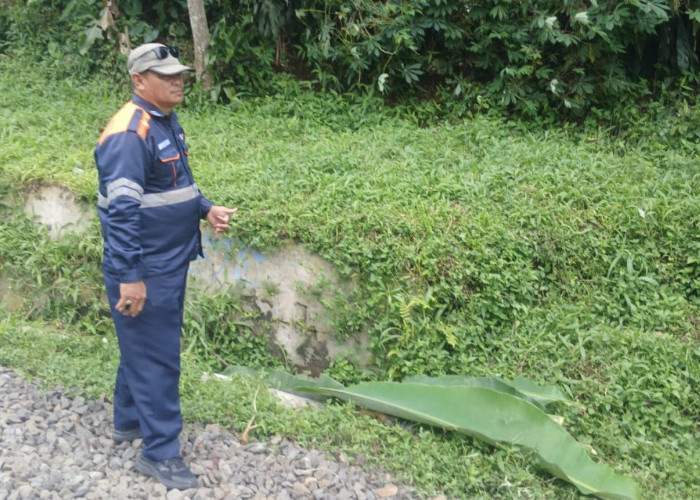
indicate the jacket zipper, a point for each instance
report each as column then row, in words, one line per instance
column 183, row 156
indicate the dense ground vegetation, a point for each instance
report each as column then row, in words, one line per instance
column 566, row 252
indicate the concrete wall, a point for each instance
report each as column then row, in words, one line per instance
column 288, row 287
column 57, row 209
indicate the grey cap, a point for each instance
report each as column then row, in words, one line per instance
column 144, row 58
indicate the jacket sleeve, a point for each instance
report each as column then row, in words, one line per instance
column 123, row 163
column 204, row 206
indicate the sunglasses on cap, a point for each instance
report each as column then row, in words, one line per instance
column 163, row 51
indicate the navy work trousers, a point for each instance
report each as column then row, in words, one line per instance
column 147, row 393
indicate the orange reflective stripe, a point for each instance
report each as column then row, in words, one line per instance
column 122, row 119
column 144, row 125
column 165, row 160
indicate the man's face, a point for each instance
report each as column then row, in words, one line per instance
column 164, row 92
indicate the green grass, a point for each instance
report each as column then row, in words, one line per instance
column 482, row 247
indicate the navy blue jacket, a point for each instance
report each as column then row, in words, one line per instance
column 148, row 203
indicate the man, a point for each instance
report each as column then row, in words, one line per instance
column 149, row 209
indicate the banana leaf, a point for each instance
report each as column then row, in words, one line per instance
column 484, row 413
column 539, row 395
column 277, row 378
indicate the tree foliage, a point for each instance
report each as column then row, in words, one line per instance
column 526, row 56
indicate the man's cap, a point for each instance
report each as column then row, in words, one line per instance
column 145, row 57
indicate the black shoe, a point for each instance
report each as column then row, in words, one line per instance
column 128, row 435
column 172, row 472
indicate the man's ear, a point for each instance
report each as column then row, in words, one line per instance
column 138, row 81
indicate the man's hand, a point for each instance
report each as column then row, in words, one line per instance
column 132, row 298
column 218, row 217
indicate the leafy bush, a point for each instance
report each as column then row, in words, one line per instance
column 529, row 56
column 533, row 58
column 240, row 59
column 60, row 33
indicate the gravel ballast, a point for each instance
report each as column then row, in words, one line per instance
column 56, row 447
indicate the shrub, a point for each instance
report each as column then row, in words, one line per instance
column 529, row 58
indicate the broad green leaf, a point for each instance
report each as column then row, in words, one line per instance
column 538, row 395
column 494, row 417
column 582, row 17
column 88, row 38
column 285, row 381
column 485, row 408
column 545, row 394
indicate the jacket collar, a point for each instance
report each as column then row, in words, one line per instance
column 150, row 108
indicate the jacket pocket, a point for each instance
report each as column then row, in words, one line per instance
column 169, row 159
